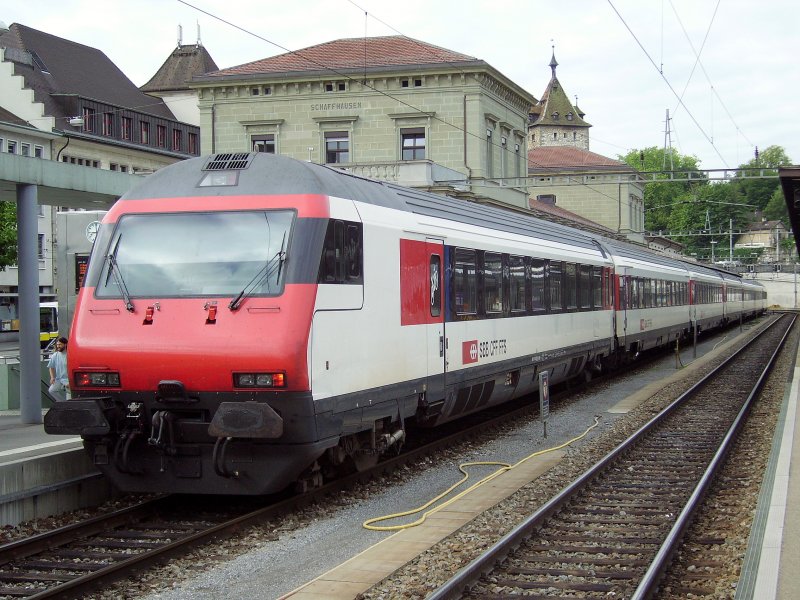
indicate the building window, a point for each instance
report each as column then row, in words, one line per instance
column 264, row 143
column 503, row 148
column 38, row 151
column 337, row 147
column 193, row 143
column 413, row 143
column 555, row 116
column 555, row 136
column 177, row 140
column 40, row 243
column 517, row 161
column 161, row 136
column 113, row 167
column 569, row 116
column 267, row 91
column 1, row 144
column 255, row 91
column 335, row 86
column 25, row 149
column 11, row 147
column 489, row 152
column 144, row 132
column 108, row 123
column 88, row 119
column 127, row 127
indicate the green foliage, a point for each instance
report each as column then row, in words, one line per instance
column 758, row 192
column 703, row 210
column 8, row 234
column 661, row 198
column 776, row 210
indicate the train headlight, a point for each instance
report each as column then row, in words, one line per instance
column 259, row 380
column 97, row 379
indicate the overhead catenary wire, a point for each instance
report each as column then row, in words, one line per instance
column 667, row 82
column 702, row 68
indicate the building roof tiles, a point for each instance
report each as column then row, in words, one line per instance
column 352, row 53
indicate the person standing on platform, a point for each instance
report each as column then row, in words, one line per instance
column 59, row 380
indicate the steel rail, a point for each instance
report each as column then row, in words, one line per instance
column 470, row 573
column 654, row 574
column 50, row 540
column 45, row 541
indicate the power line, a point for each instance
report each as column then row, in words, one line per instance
column 702, row 68
column 300, row 55
column 669, row 85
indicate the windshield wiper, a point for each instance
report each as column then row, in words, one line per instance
column 113, row 270
column 265, row 272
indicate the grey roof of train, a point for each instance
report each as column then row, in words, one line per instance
column 275, row 174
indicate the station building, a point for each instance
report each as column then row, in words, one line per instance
column 67, row 102
column 390, row 108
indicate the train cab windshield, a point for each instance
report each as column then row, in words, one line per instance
column 196, row 254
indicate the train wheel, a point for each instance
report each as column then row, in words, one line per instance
column 365, row 460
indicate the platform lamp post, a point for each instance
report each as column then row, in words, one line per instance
column 713, row 244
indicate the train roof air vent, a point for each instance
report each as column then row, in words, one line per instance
column 228, row 161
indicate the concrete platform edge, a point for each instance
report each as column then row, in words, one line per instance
column 48, row 485
column 761, row 566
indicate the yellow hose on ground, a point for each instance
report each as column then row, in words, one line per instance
column 368, row 524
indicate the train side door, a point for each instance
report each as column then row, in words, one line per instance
column 435, row 322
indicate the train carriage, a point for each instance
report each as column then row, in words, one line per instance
column 706, row 295
column 249, row 321
column 733, row 296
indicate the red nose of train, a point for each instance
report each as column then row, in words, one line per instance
column 203, row 344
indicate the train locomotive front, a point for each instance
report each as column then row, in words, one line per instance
column 189, row 350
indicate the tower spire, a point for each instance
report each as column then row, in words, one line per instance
column 553, row 62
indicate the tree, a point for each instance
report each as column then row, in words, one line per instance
column 776, row 210
column 759, row 192
column 8, row 234
column 661, row 198
column 707, row 212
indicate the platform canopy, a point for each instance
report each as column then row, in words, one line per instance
column 790, row 183
column 63, row 184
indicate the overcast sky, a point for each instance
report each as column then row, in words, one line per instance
column 743, row 92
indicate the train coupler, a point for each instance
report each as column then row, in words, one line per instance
column 218, row 458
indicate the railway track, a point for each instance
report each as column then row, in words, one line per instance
column 613, row 531
column 72, row 560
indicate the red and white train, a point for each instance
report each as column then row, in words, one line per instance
column 249, row 321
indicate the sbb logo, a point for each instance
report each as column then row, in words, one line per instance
column 469, row 352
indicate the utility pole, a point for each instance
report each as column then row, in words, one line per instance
column 667, row 146
column 731, row 242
